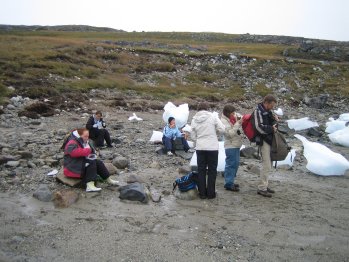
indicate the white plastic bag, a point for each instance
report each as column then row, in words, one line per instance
column 340, row 137
column 187, row 128
column 221, row 158
column 279, row 112
column 180, row 113
column 321, row 160
column 134, row 118
column 301, row 124
column 156, row 137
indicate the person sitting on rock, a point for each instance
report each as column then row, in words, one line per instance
column 98, row 131
column 80, row 161
column 170, row 134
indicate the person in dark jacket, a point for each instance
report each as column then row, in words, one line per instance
column 98, row 131
column 264, row 121
column 80, row 161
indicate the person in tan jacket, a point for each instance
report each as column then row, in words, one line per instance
column 232, row 144
column 205, row 126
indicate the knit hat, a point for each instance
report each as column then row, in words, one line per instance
column 170, row 119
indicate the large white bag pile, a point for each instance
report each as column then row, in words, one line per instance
column 340, row 137
column 301, row 124
column 180, row 113
column 321, row 160
column 156, row 137
column 221, row 158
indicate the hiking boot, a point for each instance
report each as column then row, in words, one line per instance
column 237, row 185
column 169, row 153
column 264, row 193
column 234, row 188
column 270, row 190
column 90, row 187
column 112, row 182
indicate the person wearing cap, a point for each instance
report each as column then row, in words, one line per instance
column 170, row 134
column 80, row 161
column 98, row 131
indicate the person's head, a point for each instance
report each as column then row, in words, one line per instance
column 83, row 133
column 98, row 115
column 269, row 102
column 229, row 110
column 171, row 121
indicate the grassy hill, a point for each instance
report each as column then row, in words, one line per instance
column 208, row 66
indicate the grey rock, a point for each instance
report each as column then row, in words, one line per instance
column 25, row 154
column 43, row 193
column 121, row 162
column 316, row 102
column 6, row 158
column 111, row 168
column 10, row 107
column 12, row 164
column 314, row 132
column 249, row 152
column 134, row 192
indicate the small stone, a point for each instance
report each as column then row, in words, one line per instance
column 111, row 168
column 121, row 162
column 155, row 165
column 65, row 198
column 25, row 154
column 43, row 193
column 12, row 164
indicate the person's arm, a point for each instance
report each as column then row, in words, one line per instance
column 259, row 125
column 179, row 134
column 220, row 128
column 193, row 134
column 90, row 123
column 234, row 129
column 74, row 150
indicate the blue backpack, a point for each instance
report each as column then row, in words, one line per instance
column 187, row 182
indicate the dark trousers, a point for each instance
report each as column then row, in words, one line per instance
column 169, row 144
column 94, row 168
column 99, row 135
column 207, row 165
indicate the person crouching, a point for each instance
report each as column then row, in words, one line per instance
column 98, row 131
column 80, row 161
column 170, row 134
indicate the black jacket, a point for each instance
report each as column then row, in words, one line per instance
column 263, row 122
column 93, row 130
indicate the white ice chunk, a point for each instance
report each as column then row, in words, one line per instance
column 335, row 125
column 288, row 160
column 187, row 128
column 340, row 137
column 344, row 117
column 279, row 112
column 301, row 124
column 180, row 113
column 134, row 118
column 156, row 137
column 321, row 160
column 53, row 172
column 221, row 158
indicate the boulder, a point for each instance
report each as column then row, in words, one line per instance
column 65, row 198
column 111, row 168
column 43, row 193
column 189, row 195
column 316, row 102
column 313, row 131
column 249, row 152
column 121, row 162
column 73, row 182
column 134, row 192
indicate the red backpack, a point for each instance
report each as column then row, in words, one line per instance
column 248, row 128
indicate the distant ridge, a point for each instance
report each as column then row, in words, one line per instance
column 65, row 28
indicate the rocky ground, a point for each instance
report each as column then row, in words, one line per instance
column 306, row 220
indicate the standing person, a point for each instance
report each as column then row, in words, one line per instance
column 80, row 161
column 205, row 127
column 98, row 131
column 264, row 121
column 232, row 144
column 170, row 134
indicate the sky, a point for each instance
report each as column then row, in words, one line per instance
column 322, row 19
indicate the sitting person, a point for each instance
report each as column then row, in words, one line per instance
column 98, row 131
column 170, row 134
column 80, row 161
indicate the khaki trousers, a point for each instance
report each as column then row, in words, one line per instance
column 266, row 166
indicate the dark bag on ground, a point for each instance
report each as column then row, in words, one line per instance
column 279, row 147
column 187, row 182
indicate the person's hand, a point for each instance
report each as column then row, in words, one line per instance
column 274, row 128
column 276, row 118
column 95, row 126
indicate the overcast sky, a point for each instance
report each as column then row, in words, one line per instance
column 324, row 19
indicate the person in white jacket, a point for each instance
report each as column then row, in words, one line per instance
column 205, row 126
column 232, row 144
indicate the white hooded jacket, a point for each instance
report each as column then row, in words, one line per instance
column 231, row 137
column 205, row 127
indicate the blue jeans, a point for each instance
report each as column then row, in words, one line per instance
column 168, row 142
column 232, row 162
